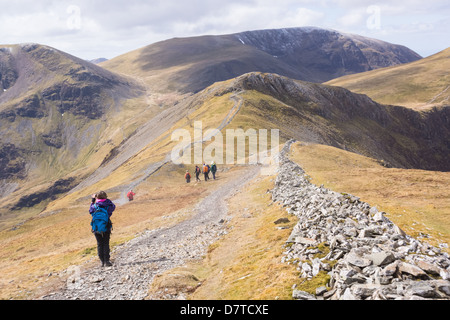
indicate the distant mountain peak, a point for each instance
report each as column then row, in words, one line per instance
column 293, row 43
column 98, row 60
column 306, row 53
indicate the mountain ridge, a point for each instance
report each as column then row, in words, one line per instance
column 398, row 135
column 311, row 54
column 420, row 84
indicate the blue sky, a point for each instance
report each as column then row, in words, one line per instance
column 97, row 28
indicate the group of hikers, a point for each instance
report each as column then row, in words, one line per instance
column 206, row 170
column 102, row 208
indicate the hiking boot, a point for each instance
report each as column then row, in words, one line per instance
column 108, row 264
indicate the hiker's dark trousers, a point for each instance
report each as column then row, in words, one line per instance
column 103, row 245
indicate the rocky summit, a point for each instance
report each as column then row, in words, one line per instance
column 363, row 254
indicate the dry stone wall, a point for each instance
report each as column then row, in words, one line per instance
column 364, row 255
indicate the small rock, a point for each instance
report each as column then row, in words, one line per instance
column 302, row 295
column 306, row 241
column 413, row 270
column 321, row 290
column 379, row 217
column 428, row 267
column 390, row 269
column 381, row 258
column 422, row 289
column 96, row 278
column 281, row 220
column 356, row 260
column 348, row 295
column 443, row 286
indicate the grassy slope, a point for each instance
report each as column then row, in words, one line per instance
column 52, row 164
column 86, row 141
column 416, row 85
column 418, row 201
column 185, row 65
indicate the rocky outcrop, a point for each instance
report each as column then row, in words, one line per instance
column 78, row 99
column 12, row 164
column 9, row 115
column 327, row 53
column 358, row 249
column 8, row 73
column 334, row 116
column 59, row 187
column 31, row 107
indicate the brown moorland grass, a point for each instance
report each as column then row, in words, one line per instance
column 419, row 85
column 245, row 263
column 418, row 201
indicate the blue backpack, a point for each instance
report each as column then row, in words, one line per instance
column 100, row 220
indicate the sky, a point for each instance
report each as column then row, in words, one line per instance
column 91, row 29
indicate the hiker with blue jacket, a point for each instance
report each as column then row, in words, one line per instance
column 101, row 210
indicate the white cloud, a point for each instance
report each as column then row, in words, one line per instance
column 109, row 28
column 352, row 18
column 244, row 17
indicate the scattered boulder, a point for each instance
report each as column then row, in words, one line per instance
column 281, row 220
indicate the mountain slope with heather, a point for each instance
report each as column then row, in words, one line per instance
column 56, row 113
column 309, row 54
column 421, row 84
column 333, row 116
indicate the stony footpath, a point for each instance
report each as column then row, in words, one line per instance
column 367, row 257
column 137, row 262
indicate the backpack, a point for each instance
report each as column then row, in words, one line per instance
column 205, row 169
column 100, row 220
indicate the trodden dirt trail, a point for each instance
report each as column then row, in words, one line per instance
column 138, row 261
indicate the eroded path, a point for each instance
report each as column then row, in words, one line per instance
column 138, row 261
